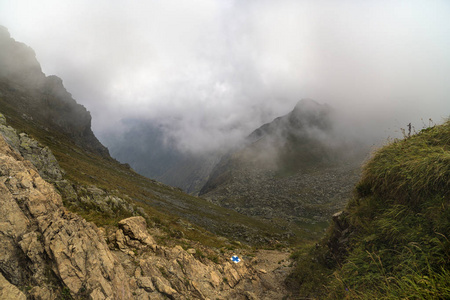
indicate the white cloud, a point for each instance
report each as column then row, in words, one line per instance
column 215, row 70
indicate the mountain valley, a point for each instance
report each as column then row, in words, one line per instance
column 300, row 204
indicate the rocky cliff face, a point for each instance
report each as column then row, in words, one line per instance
column 41, row 157
column 46, row 250
column 42, row 99
column 18, row 62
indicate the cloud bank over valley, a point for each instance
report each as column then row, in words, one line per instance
column 209, row 72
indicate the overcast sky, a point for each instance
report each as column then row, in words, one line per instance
column 216, row 70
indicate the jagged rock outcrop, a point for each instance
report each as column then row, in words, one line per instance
column 132, row 233
column 46, row 250
column 340, row 235
column 94, row 198
column 18, row 61
column 40, row 98
column 41, row 157
column 159, row 271
column 75, row 195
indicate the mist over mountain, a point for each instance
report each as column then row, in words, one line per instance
column 212, row 71
column 151, row 150
column 44, row 98
column 297, row 170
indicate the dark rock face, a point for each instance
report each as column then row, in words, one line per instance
column 340, row 236
column 18, row 61
column 41, row 98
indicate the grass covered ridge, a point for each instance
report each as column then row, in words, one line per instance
column 394, row 243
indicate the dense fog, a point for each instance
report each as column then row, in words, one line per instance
column 208, row 73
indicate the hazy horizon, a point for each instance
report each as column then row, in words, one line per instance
column 210, row 72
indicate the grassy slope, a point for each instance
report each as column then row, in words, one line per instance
column 399, row 221
column 164, row 203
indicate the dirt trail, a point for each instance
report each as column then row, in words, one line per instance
column 274, row 266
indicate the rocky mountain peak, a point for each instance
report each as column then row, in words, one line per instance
column 4, row 33
column 42, row 98
column 18, row 62
column 308, row 104
column 294, row 168
column 54, row 85
column 309, row 113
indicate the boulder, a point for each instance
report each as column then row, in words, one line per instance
column 133, row 233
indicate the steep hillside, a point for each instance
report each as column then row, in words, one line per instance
column 392, row 240
column 295, row 171
column 48, row 252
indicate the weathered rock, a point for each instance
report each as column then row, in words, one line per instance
column 215, row 279
column 41, row 157
column 96, row 199
column 136, row 228
column 9, row 291
column 340, row 235
column 133, row 233
column 164, row 288
column 231, row 274
column 11, row 136
column 50, row 238
column 145, row 283
column 191, row 251
column 67, row 190
column 177, row 274
column 2, row 119
column 250, row 296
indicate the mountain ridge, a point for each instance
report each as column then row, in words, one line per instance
column 296, row 170
column 43, row 98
